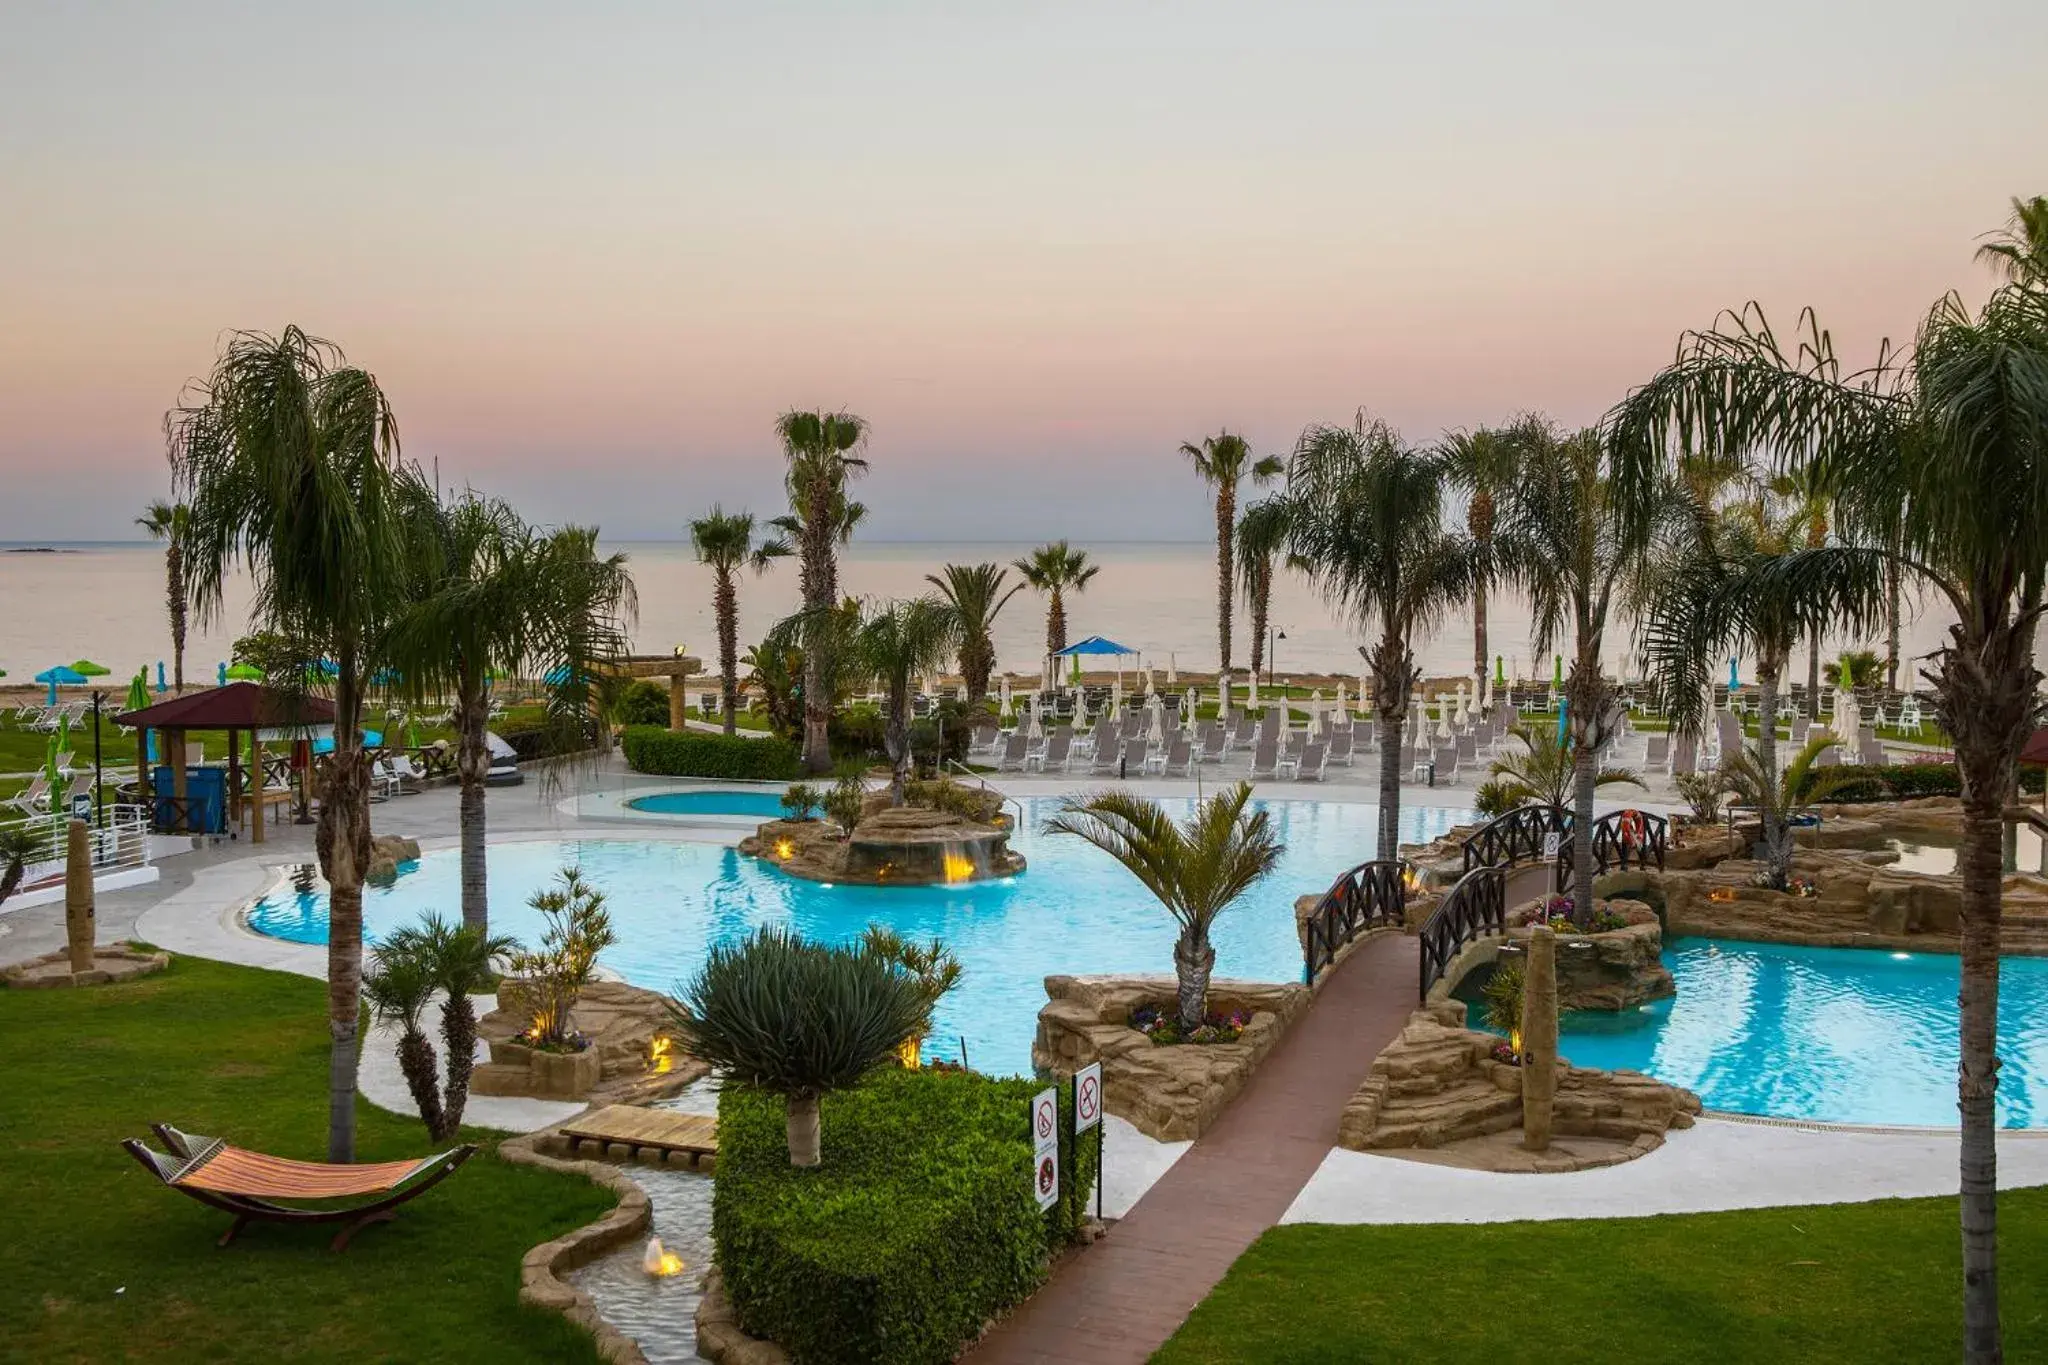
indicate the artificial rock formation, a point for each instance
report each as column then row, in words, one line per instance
column 387, row 851
column 1438, row 1084
column 1168, row 1092
column 1616, row 970
column 621, row 1064
column 891, row 846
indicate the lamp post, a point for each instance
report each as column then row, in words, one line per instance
column 98, row 801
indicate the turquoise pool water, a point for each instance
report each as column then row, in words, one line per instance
column 760, row 805
column 1844, row 1035
column 1074, row 910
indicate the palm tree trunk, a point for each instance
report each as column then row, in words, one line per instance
column 897, row 736
column 1193, row 960
column 725, row 603
column 416, row 1062
column 174, row 566
column 458, row 1031
column 1891, row 628
column 1262, row 600
column 1813, row 676
column 472, row 766
column 801, row 1127
column 1390, row 682
column 819, row 582
column 1584, row 693
column 1056, row 623
column 1226, row 521
column 1977, row 1080
column 1479, row 632
column 1777, row 837
column 342, row 840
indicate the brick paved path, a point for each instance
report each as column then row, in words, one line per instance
column 1119, row 1300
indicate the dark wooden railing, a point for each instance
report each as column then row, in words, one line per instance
column 1476, row 908
column 1621, row 839
column 1369, row 895
column 1516, row 837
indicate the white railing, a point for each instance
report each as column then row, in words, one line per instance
column 118, row 843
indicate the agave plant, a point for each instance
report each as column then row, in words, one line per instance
column 1747, row 776
column 1196, row 869
column 1543, row 772
column 797, row 1018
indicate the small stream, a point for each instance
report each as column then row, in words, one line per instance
column 661, row 1314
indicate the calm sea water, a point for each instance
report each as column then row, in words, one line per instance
column 106, row 603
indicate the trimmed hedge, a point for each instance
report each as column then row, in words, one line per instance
column 1903, row 781
column 918, row 1227
column 689, row 753
column 642, row 703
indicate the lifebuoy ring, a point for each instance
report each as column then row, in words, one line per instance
column 1634, row 830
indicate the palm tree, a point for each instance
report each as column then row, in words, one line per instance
column 2020, row 252
column 289, row 458
column 1365, row 523
column 819, row 447
column 1223, row 460
column 1261, row 536
column 976, row 593
column 1752, row 777
column 1055, row 570
column 167, row 521
column 1483, row 463
column 1744, row 587
column 1950, row 440
column 1197, row 869
column 409, row 968
column 17, row 848
column 776, row 668
column 487, row 596
column 725, row 542
column 1579, row 551
column 899, row 641
column 797, row 1018
column 399, row 986
column 1544, row 771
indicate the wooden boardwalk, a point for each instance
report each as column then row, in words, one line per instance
column 1120, row 1299
column 638, row 1130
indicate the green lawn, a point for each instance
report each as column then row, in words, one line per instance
column 1853, row 1282
column 100, row 1263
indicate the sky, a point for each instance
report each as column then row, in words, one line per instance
column 592, row 250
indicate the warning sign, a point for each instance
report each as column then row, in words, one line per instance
column 1045, row 1121
column 1087, row 1097
column 1047, row 1180
column 1551, row 843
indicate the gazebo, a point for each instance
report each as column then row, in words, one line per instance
column 677, row 668
column 236, row 708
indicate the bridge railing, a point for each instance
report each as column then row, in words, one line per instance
column 1622, row 839
column 1517, row 837
column 1475, row 908
column 1367, row 896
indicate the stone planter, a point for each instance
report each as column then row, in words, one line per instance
column 622, row 1023
column 1170, row 1093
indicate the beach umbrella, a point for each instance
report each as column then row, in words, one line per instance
column 62, row 673
column 1191, row 702
column 1116, row 694
column 87, row 668
column 138, row 690
column 1563, row 706
column 1500, row 671
column 412, row 733
column 1340, row 697
column 244, row 673
column 1006, row 692
column 1734, row 677
column 1035, row 730
column 161, row 685
column 1557, row 670
column 1172, row 672
column 1251, row 696
column 220, row 675
column 1223, row 695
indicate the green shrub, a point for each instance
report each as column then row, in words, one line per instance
column 801, row 801
column 1903, row 781
column 643, row 703
column 918, row 1228
column 1702, row 793
column 846, row 801
column 1494, row 798
column 672, row 753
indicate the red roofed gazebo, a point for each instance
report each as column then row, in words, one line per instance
column 235, row 708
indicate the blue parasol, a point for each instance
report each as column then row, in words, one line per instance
column 1094, row 644
column 62, row 673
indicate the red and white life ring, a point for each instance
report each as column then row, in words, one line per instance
column 1634, row 830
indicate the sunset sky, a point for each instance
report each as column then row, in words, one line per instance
column 592, row 250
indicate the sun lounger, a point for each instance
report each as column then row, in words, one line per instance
column 1108, row 749
column 1215, row 742
column 1445, row 757
column 1179, row 757
column 1053, row 757
column 247, row 1184
column 1685, row 756
column 1134, row 760
column 1266, row 758
column 33, row 799
column 1309, row 767
column 1657, row 751
column 1015, row 749
column 1339, row 750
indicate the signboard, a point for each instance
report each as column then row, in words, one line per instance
column 81, row 806
column 1045, row 1121
column 1047, row 1180
column 1087, row 1097
column 1551, row 842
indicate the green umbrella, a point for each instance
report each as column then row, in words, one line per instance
column 89, row 669
column 53, row 773
column 412, row 734
column 138, row 690
column 245, row 673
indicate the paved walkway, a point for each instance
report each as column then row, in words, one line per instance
column 1119, row 1300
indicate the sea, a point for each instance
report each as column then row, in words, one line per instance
column 106, row 602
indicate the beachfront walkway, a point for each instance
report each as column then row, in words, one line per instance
column 1120, row 1299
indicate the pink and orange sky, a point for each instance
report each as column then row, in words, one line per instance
column 592, row 250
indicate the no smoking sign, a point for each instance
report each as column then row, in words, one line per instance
column 1087, row 1097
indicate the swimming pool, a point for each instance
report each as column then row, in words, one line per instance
column 759, row 804
column 1075, row 910
column 1843, row 1035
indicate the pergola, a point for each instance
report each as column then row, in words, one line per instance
column 677, row 668
column 237, row 708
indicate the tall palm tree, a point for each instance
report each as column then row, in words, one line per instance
column 1950, row 440
column 897, row 642
column 1261, row 536
column 1197, row 869
column 167, row 521
column 819, row 447
column 725, row 542
column 2020, row 252
column 1055, row 570
column 1365, row 523
column 1483, row 464
column 1546, row 768
column 1223, row 461
column 1753, row 779
column 977, row 593
column 289, row 458
column 1579, row 551
column 487, row 595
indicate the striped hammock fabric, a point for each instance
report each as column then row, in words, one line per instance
column 235, row 1171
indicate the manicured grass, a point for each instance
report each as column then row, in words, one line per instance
column 101, row 1263
column 1852, row 1282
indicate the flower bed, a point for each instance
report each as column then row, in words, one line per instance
column 1159, row 1024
